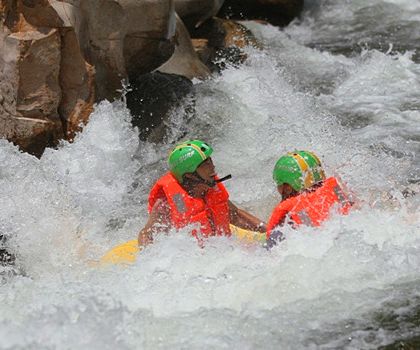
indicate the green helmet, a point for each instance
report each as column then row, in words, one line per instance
column 300, row 169
column 187, row 156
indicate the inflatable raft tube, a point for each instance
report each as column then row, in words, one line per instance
column 126, row 253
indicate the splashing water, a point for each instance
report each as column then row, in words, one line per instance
column 351, row 284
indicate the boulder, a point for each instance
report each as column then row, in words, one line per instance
column 77, row 80
column 76, row 76
column 48, row 13
column 221, row 42
column 202, row 49
column 125, row 38
column 29, row 88
column 45, row 84
column 185, row 60
column 58, row 57
column 195, row 12
column 276, row 12
column 37, row 69
column 32, row 135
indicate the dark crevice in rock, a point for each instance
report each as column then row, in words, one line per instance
column 151, row 99
column 276, row 12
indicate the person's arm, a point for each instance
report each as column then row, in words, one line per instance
column 159, row 221
column 243, row 219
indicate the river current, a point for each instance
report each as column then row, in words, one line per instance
column 344, row 82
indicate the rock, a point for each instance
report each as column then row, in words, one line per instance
column 151, row 99
column 185, row 60
column 276, row 12
column 125, row 38
column 77, row 84
column 38, row 67
column 42, row 13
column 36, row 79
column 76, row 76
column 202, row 49
column 29, row 85
column 31, row 134
column 195, row 12
column 53, row 53
column 225, row 40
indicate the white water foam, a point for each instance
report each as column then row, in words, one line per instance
column 318, row 288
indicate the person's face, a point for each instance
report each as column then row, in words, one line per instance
column 285, row 191
column 198, row 187
column 206, row 170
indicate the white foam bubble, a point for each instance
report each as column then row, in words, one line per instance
column 312, row 290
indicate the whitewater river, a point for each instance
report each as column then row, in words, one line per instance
column 343, row 82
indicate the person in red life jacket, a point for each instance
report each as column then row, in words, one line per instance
column 307, row 195
column 191, row 193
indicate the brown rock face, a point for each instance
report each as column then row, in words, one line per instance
column 185, row 60
column 38, row 93
column 222, row 40
column 195, row 12
column 277, row 12
column 41, row 13
column 57, row 57
column 38, row 66
column 77, row 85
column 125, row 38
column 29, row 88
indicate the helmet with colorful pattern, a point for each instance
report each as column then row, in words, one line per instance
column 300, row 169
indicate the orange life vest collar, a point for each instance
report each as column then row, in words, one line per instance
column 211, row 213
column 311, row 208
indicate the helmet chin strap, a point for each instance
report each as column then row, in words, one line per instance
column 197, row 179
column 208, row 183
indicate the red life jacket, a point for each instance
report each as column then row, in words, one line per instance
column 312, row 207
column 211, row 213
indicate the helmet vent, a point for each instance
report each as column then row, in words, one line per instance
column 203, row 149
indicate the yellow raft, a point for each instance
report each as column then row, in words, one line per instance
column 126, row 253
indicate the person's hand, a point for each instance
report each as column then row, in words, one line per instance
column 276, row 236
column 145, row 238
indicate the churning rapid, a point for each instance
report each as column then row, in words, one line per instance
column 342, row 82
